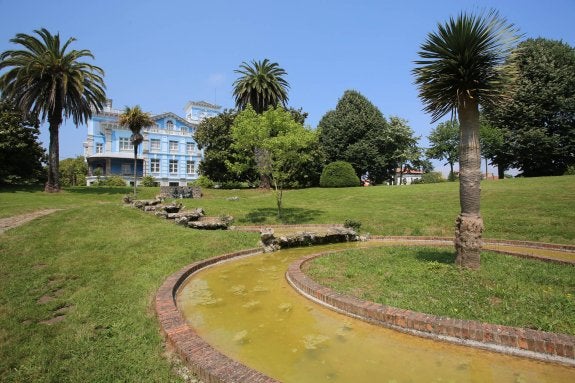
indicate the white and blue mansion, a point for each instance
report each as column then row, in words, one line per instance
column 168, row 152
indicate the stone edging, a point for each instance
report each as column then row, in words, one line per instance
column 206, row 362
column 534, row 344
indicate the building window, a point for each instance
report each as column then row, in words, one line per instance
column 125, row 144
column 191, row 167
column 170, row 125
column 154, row 145
column 99, row 148
column 190, row 146
column 173, row 146
column 126, row 169
column 173, row 166
column 155, row 165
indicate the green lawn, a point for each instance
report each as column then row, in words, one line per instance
column 99, row 263
column 507, row 290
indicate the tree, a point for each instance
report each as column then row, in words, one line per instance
column 539, row 120
column 260, row 85
column 214, row 136
column 444, row 140
column 461, row 67
column 284, row 144
column 495, row 147
column 47, row 80
column 73, row 171
column 358, row 133
column 135, row 119
column 21, row 155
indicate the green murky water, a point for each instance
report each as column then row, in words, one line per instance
column 246, row 309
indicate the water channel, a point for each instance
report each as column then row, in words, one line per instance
column 246, row 310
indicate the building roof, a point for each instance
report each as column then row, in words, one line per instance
column 408, row 171
column 173, row 116
column 202, row 104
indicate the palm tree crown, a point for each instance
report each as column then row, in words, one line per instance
column 261, row 84
column 48, row 81
column 464, row 60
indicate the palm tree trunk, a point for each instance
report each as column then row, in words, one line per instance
column 469, row 224
column 135, row 167
column 53, row 183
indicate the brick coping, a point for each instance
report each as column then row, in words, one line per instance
column 540, row 345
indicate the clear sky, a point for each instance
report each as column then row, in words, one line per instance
column 161, row 54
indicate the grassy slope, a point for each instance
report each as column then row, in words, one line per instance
column 102, row 262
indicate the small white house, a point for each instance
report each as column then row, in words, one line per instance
column 407, row 176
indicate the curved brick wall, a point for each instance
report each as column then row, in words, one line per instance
column 205, row 361
column 510, row 340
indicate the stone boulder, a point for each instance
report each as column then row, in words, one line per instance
column 333, row 235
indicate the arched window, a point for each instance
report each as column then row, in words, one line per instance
column 170, row 125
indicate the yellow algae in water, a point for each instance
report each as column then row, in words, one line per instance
column 251, row 305
column 312, row 341
column 241, row 337
column 238, row 289
column 260, row 289
column 286, row 307
column 201, row 294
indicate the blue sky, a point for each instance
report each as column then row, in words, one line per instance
column 161, row 54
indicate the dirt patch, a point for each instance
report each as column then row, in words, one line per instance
column 54, row 320
column 45, row 299
column 18, row 220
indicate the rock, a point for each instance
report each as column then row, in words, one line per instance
column 208, row 225
column 333, row 235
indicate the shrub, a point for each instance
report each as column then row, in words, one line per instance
column 203, row 182
column 112, row 181
column 149, row 181
column 338, row 174
column 570, row 170
column 429, row 178
column 352, row 224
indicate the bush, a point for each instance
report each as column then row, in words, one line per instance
column 352, row 224
column 149, row 181
column 429, row 178
column 112, row 181
column 338, row 174
column 570, row 170
column 203, row 182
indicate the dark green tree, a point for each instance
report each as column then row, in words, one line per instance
column 261, row 85
column 460, row 68
column 135, row 119
column 539, row 120
column 73, row 171
column 358, row 133
column 47, row 80
column 214, row 136
column 21, row 155
column 495, row 146
column 444, row 144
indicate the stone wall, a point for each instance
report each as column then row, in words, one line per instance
column 181, row 191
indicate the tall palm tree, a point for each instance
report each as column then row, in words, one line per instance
column 462, row 67
column 47, row 80
column 135, row 119
column 261, row 84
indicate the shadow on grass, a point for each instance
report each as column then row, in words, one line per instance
column 97, row 190
column 290, row 216
column 441, row 255
column 21, row 188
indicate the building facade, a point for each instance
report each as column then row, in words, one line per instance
column 168, row 153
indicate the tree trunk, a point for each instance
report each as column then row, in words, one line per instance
column 451, row 176
column 135, row 167
column 500, row 171
column 53, row 183
column 469, row 224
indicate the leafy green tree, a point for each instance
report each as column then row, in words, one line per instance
column 539, row 121
column 357, row 132
column 21, row 155
column 214, row 136
column 135, row 119
column 261, row 85
column 284, row 145
column 444, row 140
column 338, row 174
column 495, row 146
column 407, row 155
column 47, row 80
column 461, row 67
column 73, row 171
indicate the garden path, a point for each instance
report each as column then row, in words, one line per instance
column 17, row 220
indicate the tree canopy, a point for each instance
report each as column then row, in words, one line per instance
column 538, row 122
column 444, row 144
column 358, row 133
column 21, row 155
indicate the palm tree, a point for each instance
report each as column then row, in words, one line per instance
column 262, row 85
column 135, row 119
column 462, row 67
column 49, row 82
